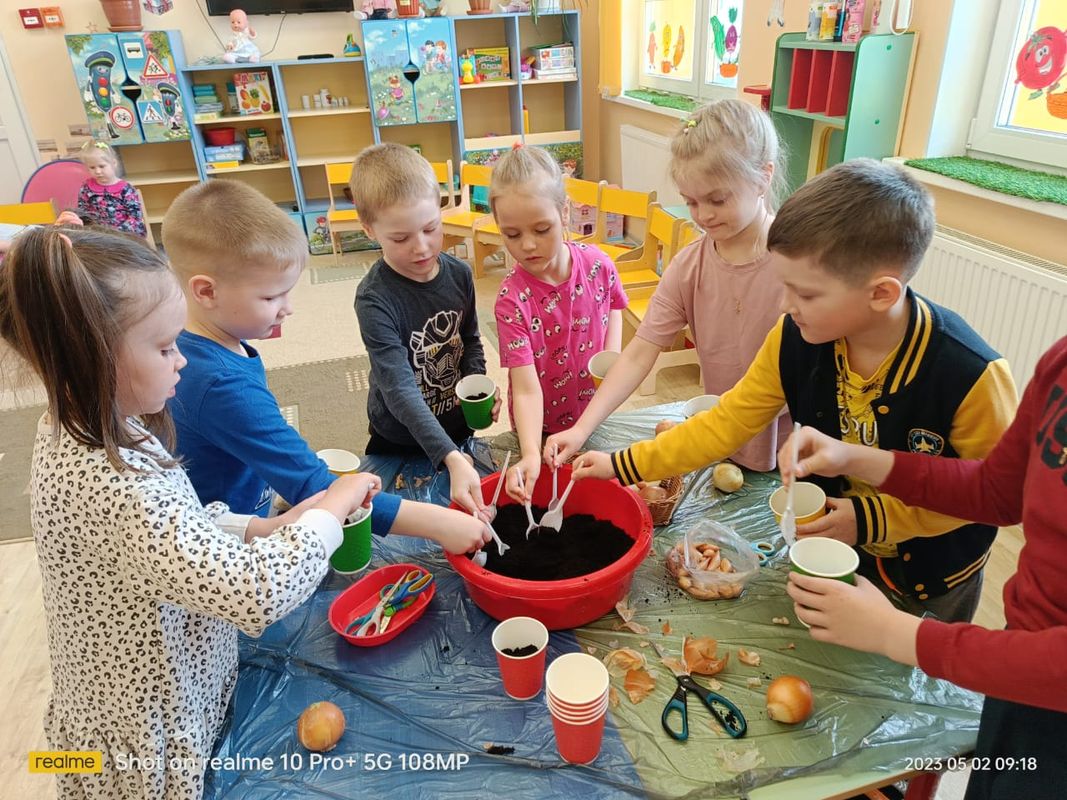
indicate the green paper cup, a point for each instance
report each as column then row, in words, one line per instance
column 477, row 395
column 354, row 553
column 340, row 462
column 824, row 558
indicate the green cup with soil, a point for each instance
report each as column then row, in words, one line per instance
column 354, row 553
column 520, row 644
column 477, row 395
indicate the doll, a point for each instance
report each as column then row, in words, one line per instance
column 241, row 48
column 377, row 9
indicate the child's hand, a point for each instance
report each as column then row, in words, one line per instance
column 350, row 492
column 522, row 478
column 265, row 527
column 819, row 455
column 593, row 464
column 459, row 532
column 839, row 523
column 859, row 616
column 567, row 443
column 466, row 483
column 496, row 407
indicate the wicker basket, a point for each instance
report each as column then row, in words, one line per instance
column 663, row 510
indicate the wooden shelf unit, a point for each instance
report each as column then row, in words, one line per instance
column 831, row 101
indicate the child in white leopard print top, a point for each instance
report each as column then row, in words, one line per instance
column 144, row 589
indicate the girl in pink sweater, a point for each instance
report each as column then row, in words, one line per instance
column 726, row 162
column 1022, row 670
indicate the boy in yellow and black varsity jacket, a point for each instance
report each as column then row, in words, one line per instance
column 863, row 358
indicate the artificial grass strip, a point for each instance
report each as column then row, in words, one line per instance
column 678, row 102
column 1005, row 178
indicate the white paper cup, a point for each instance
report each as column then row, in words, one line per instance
column 599, row 365
column 340, row 462
column 577, row 679
column 698, row 404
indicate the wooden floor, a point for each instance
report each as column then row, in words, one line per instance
column 25, row 685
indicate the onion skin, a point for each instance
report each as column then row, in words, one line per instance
column 652, row 493
column 320, row 726
column 789, row 700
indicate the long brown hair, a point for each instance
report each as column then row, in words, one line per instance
column 67, row 297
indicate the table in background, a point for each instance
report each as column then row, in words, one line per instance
column 435, row 690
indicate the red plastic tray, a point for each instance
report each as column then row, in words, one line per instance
column 362, row 596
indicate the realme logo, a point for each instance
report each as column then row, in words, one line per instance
column 63, row 761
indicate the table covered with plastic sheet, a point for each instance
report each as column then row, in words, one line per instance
column 422, row 710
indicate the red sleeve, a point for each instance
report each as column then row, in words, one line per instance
column 1028, row 667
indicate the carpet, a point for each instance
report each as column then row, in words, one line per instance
column 326, row 401
column 1005, row 178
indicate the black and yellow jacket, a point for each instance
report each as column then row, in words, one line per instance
column 947, row 394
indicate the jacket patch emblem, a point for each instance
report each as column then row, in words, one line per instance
column 921, row 440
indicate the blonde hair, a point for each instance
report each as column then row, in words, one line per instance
column 390, row 174
column 223, row 227
column 99, row 148
column 67, row 298
column 731, row 140
column 524, row 165
column 856, row 218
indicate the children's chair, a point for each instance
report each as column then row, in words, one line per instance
column 58, row 181
column 340, row 220
column 459, row 222
column 42, row 213
column 442, row 171
column 661, row 240
column 626, row 203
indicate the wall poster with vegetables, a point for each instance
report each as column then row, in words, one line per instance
column 724, row 43
column 1035, row 91
column 668, row 30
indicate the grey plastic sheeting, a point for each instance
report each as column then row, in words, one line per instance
column 435, row 691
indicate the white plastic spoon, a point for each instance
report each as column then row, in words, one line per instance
column 553, row 518
column 788, row 524
column 529, row 511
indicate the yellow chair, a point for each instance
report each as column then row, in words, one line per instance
column 627, row 203
column 43, row 213
column 339, row 220
column 459, row 222
column 661, row 240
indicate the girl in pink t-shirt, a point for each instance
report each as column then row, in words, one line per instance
column 560, row 305
column 726, row 162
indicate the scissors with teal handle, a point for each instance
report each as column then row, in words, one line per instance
column 727, row 714
column 392, row 598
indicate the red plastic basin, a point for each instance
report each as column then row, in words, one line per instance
column 575, row 601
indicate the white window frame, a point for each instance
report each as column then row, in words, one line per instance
column 696, row 87
column 986, row 138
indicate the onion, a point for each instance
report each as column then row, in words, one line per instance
column 664, row 425
column 652, row 493
column 727, row 477
column 321, row 726
column 789, row 699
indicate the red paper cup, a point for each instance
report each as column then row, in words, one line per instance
column 579, row 743
column 523, row 675
column 576, row 708
column 577, row 717
column 577, row 680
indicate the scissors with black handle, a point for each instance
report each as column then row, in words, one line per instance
column 726, row 713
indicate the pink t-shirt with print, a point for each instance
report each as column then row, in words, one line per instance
column 729, row 309
column 558, row 329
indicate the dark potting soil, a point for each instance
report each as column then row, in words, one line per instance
column 583, row 545
column 519, row 652
column 475, row 397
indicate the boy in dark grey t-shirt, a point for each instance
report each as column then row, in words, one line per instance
column 417, row 317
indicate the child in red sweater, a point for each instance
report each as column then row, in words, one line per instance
column 1022, row 669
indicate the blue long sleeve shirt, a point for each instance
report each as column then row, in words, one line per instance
column 234, row 441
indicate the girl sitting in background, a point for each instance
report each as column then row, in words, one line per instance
column 144, row 588
column 561, row 305
column 105, row 198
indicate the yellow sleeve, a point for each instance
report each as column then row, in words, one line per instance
column 712, row 435
column 979, row 422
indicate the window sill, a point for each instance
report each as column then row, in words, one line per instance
column 623, row 100
column 1053, row 210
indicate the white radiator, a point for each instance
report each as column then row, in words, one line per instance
column 645, row 156
column 1016, row 302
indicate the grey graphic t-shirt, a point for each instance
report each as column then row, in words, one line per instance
column 421, row 339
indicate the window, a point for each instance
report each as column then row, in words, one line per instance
column 1022, row 111
column 690, row 46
